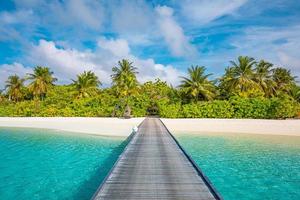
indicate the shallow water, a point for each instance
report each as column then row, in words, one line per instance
column 45, row 164
column 248, row 166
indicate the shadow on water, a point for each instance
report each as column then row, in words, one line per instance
column 89, row 187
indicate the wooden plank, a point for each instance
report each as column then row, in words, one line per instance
column 154, row 166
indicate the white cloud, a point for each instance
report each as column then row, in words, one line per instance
column 10, row 20
column 89, row 13
column 7, row 70
column 112, row 50
column 57, row 15
column 117, row 47
column 204, row 11
column 16, row 17
column 67, row 63
column 173, row 33
column 133, row 16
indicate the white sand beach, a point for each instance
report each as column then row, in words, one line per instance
column 123, row 127
column 249, row 126
column 99, row 126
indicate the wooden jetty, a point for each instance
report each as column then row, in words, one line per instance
column 155, row 166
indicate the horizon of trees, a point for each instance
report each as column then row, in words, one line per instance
column 244, row 78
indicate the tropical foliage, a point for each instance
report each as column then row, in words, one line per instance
column 86, row 84
column 197, row 86
column 263, row 77
column 14, row 86
column 41, row 81
column 248, row 89
column 239, row 79
column 125, row 82
column 124, row 78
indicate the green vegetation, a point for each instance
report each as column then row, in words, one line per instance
column 86, row 84
column 248, row 89
column 125, row 83
column 42, row 80
column 14, row 86
column 197, row 86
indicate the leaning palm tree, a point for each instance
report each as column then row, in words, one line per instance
column 243, row 74
column 125, row 81
column 263, row 77
column 283, row 80
column 42, row 80
column 196, row 85
column 14, row 86
column 86, row 84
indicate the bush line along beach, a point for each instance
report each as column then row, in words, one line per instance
column 247, row 89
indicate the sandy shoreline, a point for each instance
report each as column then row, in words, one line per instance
column 123, row 127
column 98, row 126
column 247, row 126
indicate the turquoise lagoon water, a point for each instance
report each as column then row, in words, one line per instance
column 248, row 166
column 44, row 164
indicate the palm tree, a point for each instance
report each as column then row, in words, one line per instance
column 197, row 85
column 283, row 80
column 226, row 81
column 242, row 74
column 14, row 86
column 125, row 81
column 42, row 80
column 124, row 77
column 263, row 77
column 295, row 92
column 86, row 84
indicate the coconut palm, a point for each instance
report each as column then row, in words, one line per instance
column 226, row 81
column 124, row 77
column 125, row 81
column 86, row 84
column 42, row 80
column 295, row 92
column 283, row 80
column 196, row 85
column 263, row 77
column 243, row 74
column 14, row 86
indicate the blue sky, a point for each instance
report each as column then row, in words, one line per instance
column 162, row 38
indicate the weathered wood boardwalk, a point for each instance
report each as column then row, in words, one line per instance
column 154, row 166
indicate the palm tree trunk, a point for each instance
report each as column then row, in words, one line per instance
column 127, row 111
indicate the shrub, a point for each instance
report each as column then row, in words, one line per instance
column 257, row 108
column 169, row 110
column 213, row 109
column 282, row 108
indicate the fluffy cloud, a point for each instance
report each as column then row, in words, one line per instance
column 133, row 16
column 137, row 21
column 118, row 47
column 173, row 33
column 80, row 13
column 67, row 63
column 11, row 28
column 204, row 11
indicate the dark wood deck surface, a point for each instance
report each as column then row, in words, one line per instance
column 153, row 166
